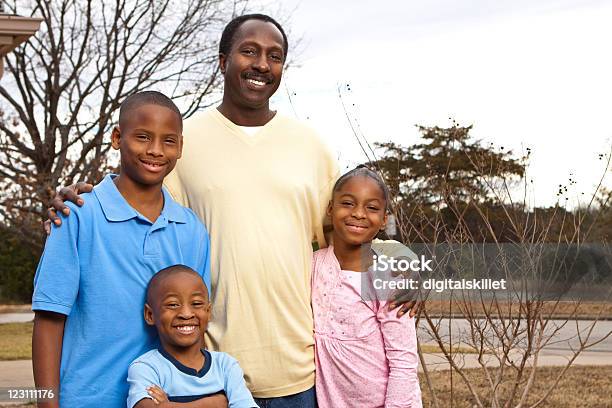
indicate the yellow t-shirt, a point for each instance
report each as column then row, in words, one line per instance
column 263, row 199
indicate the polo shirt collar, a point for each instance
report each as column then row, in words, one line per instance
column 117, row 209
column 172, row 210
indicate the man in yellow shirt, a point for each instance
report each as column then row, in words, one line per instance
column 260, row 182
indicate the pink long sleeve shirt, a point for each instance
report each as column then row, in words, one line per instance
column 365, row 356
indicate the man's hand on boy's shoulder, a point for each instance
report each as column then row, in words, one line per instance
column 69, row 193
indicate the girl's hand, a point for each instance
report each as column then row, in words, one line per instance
column 158, row 395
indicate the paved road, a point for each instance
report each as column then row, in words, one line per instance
column 565, row 339
column 16, row 317
column 19, row 373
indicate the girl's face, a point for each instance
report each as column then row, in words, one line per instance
column 357, row 211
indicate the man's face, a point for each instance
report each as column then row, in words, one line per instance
column 254, row 65
column 180, row 311
column 150, row 142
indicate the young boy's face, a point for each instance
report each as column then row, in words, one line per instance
column 179, row 310
column 150, row 142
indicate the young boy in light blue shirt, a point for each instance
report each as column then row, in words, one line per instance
column 91, row 280
column 180, row 370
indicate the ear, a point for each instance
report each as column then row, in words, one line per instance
column 222, row 61
column 330, row 206
column 116, row 137
column 148, row 315
column 180, row 141
column 384, row 224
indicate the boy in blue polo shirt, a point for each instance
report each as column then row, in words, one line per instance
column 180, row 370
column 91, row 280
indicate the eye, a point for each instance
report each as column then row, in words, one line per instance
column 276, row 57
column 346, row 203
column 373, row 208
column 248, row 51
column 142, row 137
column 197, row 303
column 172, row 305
column 171, row 141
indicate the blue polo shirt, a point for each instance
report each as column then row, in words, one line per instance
column 220, row 374
column 95, row 269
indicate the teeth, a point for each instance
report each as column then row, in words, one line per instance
column 255, row 82
column 186, row 329
column 152, row 164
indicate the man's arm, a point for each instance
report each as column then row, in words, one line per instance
column 408, row 300
column 47, row 341
column 70, row 193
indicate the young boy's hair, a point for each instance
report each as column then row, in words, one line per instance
column 146, row 98
column 169, row 271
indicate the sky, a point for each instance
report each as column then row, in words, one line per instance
column 526, row 74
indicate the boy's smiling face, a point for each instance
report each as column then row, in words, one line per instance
column 179, row 309
column 150, row 141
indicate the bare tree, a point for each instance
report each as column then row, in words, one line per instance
column 492, row 343
column 551, row 302
column 62, row 88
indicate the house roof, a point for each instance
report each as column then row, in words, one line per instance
column 15, row 30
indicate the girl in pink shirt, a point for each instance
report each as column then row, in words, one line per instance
column 366, row 357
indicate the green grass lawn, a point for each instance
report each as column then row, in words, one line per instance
column 16, row 341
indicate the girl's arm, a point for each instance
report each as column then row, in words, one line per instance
column 399, row 335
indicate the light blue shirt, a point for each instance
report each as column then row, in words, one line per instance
column 95, row 269
column 221, row 373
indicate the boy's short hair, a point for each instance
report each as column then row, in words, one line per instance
column 170, row 270
column 146, row 98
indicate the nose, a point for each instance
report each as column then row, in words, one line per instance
column 156, row 147
column 261, row 63
column 185, row 312
column 358, row 212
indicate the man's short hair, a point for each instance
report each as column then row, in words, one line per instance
column 170, row 270
column 147, row 98
column 227, row 37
